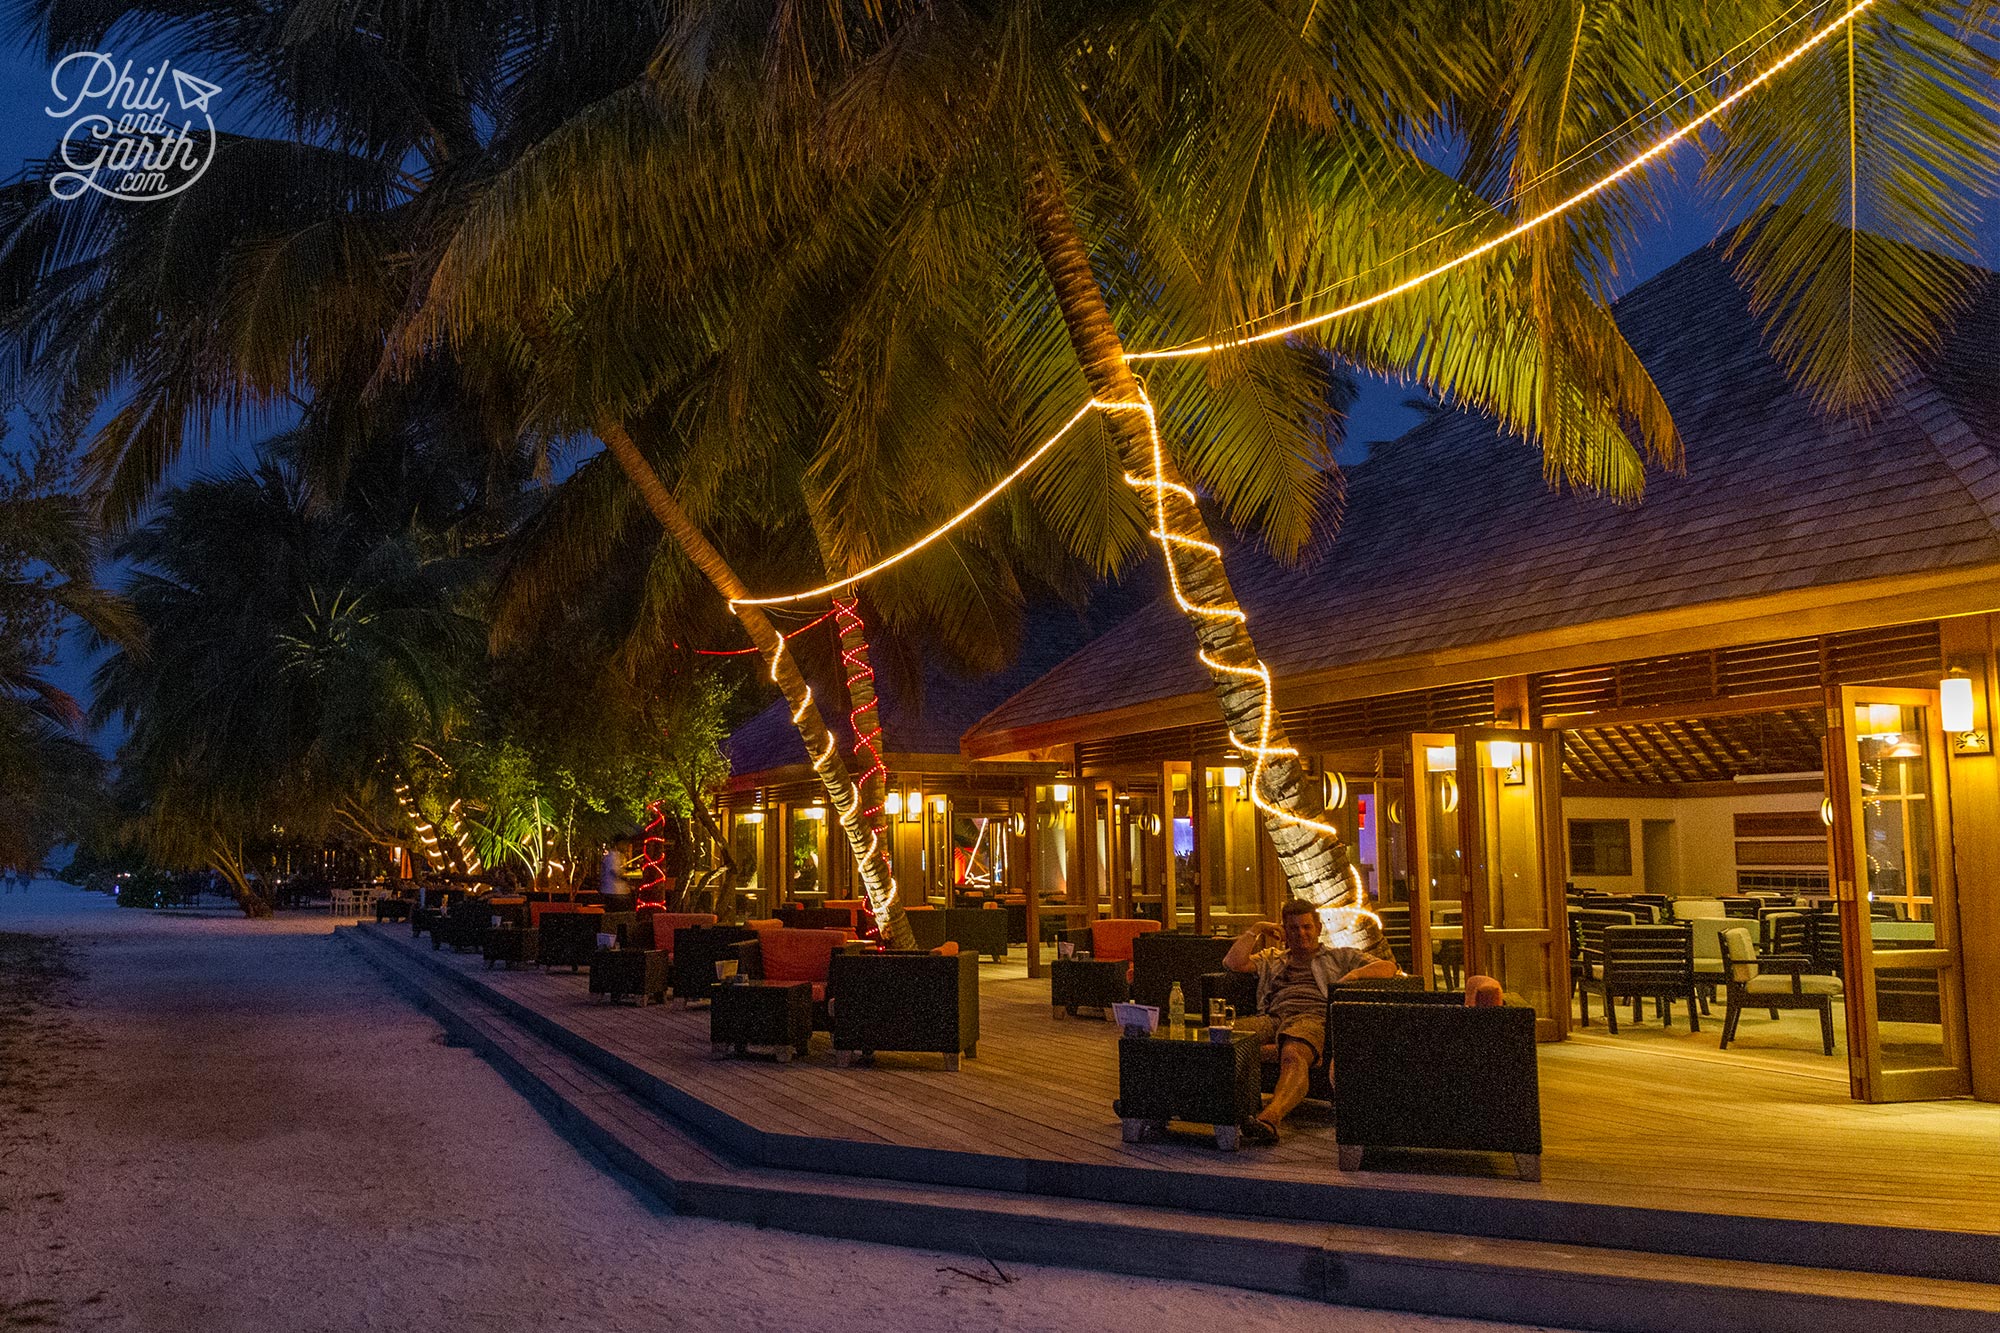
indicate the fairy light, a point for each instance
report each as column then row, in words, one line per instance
column 936, row 533
column 426, row 831
column 847, row 616
column 470, row 857
column 653, row 864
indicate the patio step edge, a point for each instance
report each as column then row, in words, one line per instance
column 1463, row 1276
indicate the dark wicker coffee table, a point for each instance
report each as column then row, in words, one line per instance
column 616, row 973
column 1087, row 983
column 1162, row 1078
column 511, row 945
column 766, row 1015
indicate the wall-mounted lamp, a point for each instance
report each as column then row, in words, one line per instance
column 1061, row 793
column 814, row 812
column 1232, row 775
column 1447, row 792
column 752, row 816
column 1336, row 790
column 1395, row 810
column 1440, row 758
column 938, row 803
column 1503, row 754
column 1826, row 811
column 1019, row 823
column 1958, row 706
column 893, row 803
column 1153, row 824
column 913, row 806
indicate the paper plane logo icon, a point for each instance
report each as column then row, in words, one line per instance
column 194, row 92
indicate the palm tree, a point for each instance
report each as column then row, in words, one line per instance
column 279, row 689
column 50, row 776
column 1178, row 169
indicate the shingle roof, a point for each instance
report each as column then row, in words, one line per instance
column 1451, row 538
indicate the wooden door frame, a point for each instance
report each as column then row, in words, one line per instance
column 1547, row 786
column 1868, row 1080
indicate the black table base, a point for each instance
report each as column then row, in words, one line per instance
column 617, row 973
column 1087, row 983
column 773, row 1016
column 1162, row 1078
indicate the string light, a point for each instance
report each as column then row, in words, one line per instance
column 849, row 619
column 652, row 864
column 936, row 533
column 468, row 856
column 1549, row 214
column 426, row 831
column 743, row 652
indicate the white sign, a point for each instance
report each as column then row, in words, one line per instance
column 125, row 138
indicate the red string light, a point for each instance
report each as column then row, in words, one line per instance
column 744, row 652
column 847, row 616
column 653, row 855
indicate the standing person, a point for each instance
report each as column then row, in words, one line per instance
column 1294, row 968
column 615, row 878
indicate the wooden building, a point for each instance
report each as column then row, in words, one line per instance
column 1774, row 675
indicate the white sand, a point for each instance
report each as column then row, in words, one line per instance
column 235, row 1125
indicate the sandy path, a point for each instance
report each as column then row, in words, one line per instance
column 219, row 1125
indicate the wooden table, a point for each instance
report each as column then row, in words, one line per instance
column 1170, row 1077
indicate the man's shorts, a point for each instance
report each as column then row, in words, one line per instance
column 1308, row 1028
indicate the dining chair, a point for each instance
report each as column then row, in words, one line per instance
column 1642, row 962
column 1772, row 982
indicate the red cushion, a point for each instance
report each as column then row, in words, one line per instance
column 799, row 955
column 1111, row 939
column 666, row 923
column 536, row 911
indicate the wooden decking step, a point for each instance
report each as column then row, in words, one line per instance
column 1567, row 1286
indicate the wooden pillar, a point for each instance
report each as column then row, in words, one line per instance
column 1198, row 814
column 1969, row 642
column 1031, row 876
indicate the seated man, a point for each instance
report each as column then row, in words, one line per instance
column 1294, row 968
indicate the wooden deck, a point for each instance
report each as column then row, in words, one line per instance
column 1644, row 1121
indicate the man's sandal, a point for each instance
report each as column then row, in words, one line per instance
column 1260, row 1131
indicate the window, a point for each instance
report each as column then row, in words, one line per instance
column 1600, row 847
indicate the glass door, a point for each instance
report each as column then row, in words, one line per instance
column 1904, row 991
column 1510, row 797
column 1427, row 811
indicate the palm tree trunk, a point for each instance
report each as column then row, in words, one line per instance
column 869, row 853
column 1314, row 864
column 230, row 865
column 867, row 726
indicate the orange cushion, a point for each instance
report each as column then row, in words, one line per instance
column 949, row 949
column 799, row 955
column 1482, row 993
column 666, row 923
column 1111, row 940
column 763, row 924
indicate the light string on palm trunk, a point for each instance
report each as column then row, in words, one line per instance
column 1261, row 750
